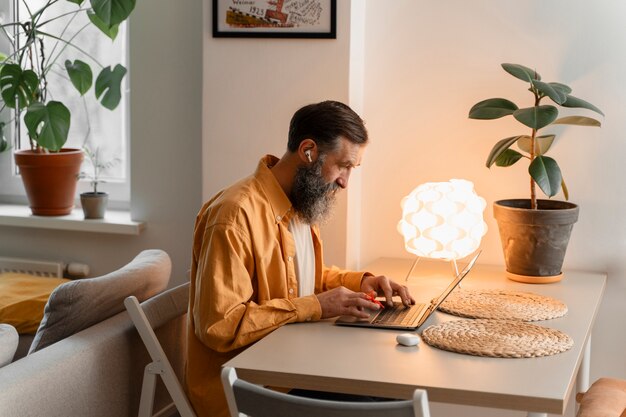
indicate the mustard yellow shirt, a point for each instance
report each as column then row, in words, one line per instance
column 243, row 280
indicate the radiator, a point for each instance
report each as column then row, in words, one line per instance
column 33, row 267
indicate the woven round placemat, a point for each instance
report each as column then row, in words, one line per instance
column 497, row 338
column 502, row 304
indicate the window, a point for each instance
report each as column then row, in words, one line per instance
column 92, row 125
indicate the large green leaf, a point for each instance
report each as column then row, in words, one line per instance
column 18, row 87
column 547, row 174
column 48, row 124
column 112, row 12
column 565, row 89
column 572, row 101
column 536, row 117
column 492, row 108
column 521, row 72
column 554, row 93
column 110, row 31
column 80, row 75
column 542, row 144
column 500, row 147
column 79, row 2
column 110, row 81
column 508, row 158
column 577, row 120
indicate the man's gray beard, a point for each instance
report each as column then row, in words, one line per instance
column 311, row 196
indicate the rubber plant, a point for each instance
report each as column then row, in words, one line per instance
column 544, row 170
column 23, row 72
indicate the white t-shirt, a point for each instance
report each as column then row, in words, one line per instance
column 305, row 256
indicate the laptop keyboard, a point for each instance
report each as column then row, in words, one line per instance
column 399, row 314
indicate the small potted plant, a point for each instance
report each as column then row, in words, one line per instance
column 94, row 203
column 49, row 170
column 534, row 232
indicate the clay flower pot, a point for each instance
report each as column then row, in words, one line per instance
column 50, row 179
column 534, row 241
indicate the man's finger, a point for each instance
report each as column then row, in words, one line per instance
column 384, row 284
column 403, row 292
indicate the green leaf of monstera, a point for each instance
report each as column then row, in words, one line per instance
column 508, row 158
column 576, row 102
column 492, row 108
column 547, row 90
column 80, row 75
column 577, row 120
column 109, row 30
column 79, row 2
column 110, row 81
column 48, row 124
column 547, row 174
column 500, row 147
column 112, row 12
column 18, row 87
column 536, row 117
column 521, row 72
column 542, row 143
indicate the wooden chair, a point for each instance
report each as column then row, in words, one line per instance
column 253, row 400
column 146, row 317
column 605, row 398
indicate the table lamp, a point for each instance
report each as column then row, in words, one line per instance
column 442, row 220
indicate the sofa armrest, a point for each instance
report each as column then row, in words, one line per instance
column 96, row 372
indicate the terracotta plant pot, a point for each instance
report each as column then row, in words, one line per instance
column 94, row 204
column 534, row 241
column 50, row 179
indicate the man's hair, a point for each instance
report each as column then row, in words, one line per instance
column 325, row 123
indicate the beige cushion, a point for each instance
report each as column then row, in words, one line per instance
column 9, row 339
column 79, row 304
column 605, row 398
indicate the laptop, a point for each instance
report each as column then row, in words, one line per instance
column 399, row 316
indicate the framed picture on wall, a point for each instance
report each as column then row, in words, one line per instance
column 275, row 19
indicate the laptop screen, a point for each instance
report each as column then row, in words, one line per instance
column 440, row 299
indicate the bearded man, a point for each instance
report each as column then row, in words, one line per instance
column 257, row 260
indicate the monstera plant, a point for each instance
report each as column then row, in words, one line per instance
column 534, row 233
column 25, row 80
column 23, row 76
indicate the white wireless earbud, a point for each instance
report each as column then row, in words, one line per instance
column 308, row 155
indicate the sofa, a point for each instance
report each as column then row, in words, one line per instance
column 87, row 358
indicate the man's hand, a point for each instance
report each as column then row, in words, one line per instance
column 341, row 301
column 384, row 286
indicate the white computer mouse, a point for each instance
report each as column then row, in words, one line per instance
column 408, row 339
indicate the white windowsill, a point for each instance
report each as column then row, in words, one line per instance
column 118, row 222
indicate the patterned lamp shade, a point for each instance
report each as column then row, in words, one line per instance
column 443, row 220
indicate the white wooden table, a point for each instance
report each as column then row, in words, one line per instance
column 322, row 356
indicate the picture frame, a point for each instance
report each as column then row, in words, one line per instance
column 275, row 19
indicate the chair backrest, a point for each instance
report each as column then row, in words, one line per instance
column 146, row 317
column 255, row 401
column 79, row 304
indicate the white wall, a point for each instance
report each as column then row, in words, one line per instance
column 428, row 63
column 252, row 88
